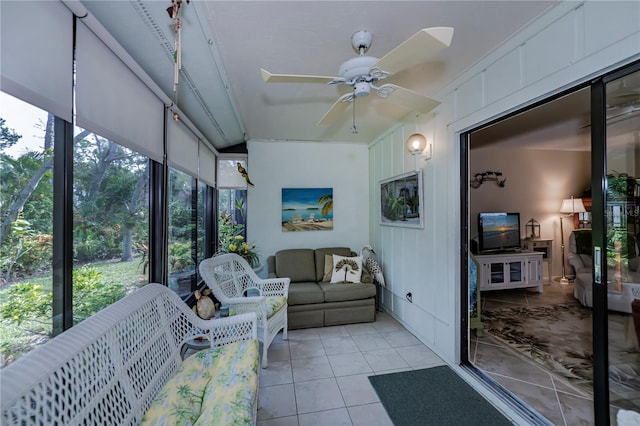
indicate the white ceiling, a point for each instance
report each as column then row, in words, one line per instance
column 560, row 124
column 565, row 123
column 225, row 43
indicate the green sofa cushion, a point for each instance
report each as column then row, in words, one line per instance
column 340, row 292
column 297, row 264
column 304, row 293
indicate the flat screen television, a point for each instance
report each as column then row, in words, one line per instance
column 498, row 231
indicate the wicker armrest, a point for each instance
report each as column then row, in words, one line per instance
column 222, row 331
column 274, row 286
column 255, row 304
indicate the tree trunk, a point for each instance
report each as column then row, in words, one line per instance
column 49, row 133
column 101, row 170
column 136, row 199
column 17, row 206
column 127, row 252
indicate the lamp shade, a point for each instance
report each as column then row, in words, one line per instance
column 416, row 143
column 572, row 205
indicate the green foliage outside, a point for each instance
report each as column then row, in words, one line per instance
column 110, row 225
column 180, row 258
column 617, row 187
column 8, row 137
column 620, row 242
column 110, row 204
column 231, row 240
column 110, row 207
column 24, row 251
column 26, row 306
column 181, row 224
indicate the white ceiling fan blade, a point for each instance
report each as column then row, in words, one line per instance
column 292, row 78
column 408, row 98
column 416, row 49
column 337, row 109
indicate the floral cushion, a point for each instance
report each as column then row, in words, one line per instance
column 274, row 303
column 213, row 386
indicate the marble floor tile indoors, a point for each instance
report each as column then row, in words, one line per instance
column 319, row 375
column 558, row 402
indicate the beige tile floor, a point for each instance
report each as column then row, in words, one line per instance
column 319, row 375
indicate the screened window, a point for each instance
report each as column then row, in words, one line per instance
column 201, row 222
column 110, row 222
column 182, row 232
column 26, row 234
column 232, row 209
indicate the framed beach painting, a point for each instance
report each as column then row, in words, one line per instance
column 401, row 200
column 307, row 209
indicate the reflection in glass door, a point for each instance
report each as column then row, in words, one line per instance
column 622, row 227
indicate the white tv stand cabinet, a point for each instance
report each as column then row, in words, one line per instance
column 518, row 269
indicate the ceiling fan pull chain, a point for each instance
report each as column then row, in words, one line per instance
column 354, row 129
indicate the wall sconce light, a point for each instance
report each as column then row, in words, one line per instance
column 416, row 144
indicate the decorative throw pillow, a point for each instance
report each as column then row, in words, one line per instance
column 328, row 267
column 346, row 269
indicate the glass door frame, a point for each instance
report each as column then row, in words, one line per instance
column 599, row 226
column 599, row 186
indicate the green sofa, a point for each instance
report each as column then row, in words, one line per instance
column 315, row 302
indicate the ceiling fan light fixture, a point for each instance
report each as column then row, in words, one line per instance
column 361, row 89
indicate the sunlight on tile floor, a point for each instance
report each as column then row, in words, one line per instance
column 319, row 375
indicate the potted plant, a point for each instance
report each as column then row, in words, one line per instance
column 231, row 240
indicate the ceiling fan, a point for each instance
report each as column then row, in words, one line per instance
column 364, row 72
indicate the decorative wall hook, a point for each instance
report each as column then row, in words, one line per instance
column 482, row 177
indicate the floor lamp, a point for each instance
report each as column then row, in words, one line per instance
column 569, row 207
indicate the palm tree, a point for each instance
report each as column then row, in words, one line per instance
column 327, row 203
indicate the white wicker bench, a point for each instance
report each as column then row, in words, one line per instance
column 108, row 369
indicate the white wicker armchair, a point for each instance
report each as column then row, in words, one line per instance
column 231, row 279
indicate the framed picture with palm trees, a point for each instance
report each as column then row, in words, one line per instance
column 401, row 200
column 307, row 209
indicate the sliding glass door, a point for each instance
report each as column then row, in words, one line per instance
column 616, row 224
